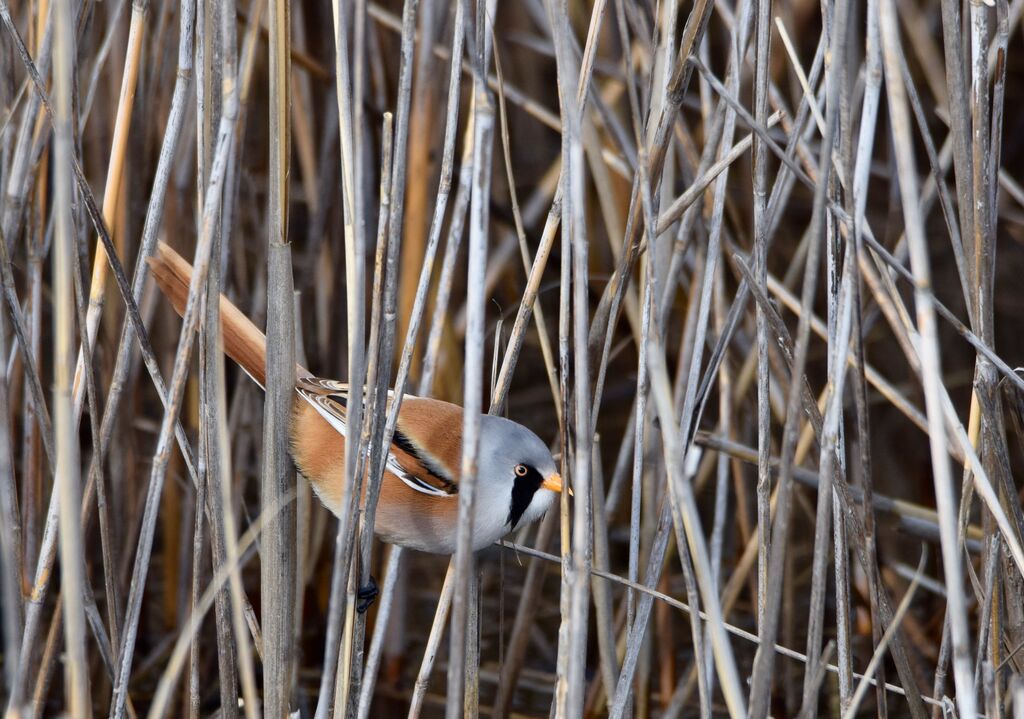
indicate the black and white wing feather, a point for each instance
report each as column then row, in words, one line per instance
column 330, row 399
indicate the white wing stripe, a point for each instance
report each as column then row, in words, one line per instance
column 319, row 403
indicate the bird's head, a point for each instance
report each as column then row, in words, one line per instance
column 518, row 479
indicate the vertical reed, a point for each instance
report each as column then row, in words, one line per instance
column 759, row 260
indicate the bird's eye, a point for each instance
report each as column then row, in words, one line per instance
column 521, row 470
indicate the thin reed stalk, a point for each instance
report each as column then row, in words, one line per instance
column 747, row 269
column 277, row 568
column 67, row 468
column 472, row 396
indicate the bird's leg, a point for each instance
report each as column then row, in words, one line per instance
column 366, row 595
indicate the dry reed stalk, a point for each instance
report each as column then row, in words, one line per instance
column 355, row 258
column 225, row 138
column 731, row 629
column 382, row 331
column 689, row 214
column 115, row 174
column 278, row 556
column 223, row 532
column 67, row 470
column 162, row 698
column 214, row 67
column 576, row 569
column 472, row 399
column 11, row 542
column 48, row 549
column 418, row 309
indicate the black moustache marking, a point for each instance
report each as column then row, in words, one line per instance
column 523, row 489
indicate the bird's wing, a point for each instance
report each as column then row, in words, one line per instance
column 328, row 397
column 413, row 435
column 405, row 459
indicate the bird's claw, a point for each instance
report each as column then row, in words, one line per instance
column 367, row 594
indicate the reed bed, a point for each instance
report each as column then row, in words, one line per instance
column 752, row 268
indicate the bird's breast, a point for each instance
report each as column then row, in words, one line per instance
column 404, row 516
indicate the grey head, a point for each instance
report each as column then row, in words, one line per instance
column 516, row 480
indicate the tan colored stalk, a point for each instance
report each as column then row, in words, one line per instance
column 115, row 174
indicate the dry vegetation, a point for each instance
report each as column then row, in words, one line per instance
column 753, row 268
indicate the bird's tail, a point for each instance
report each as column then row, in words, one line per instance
column 243, row 341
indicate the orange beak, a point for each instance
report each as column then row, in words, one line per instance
column 554, row 483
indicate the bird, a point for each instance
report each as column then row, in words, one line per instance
column 517, row 478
